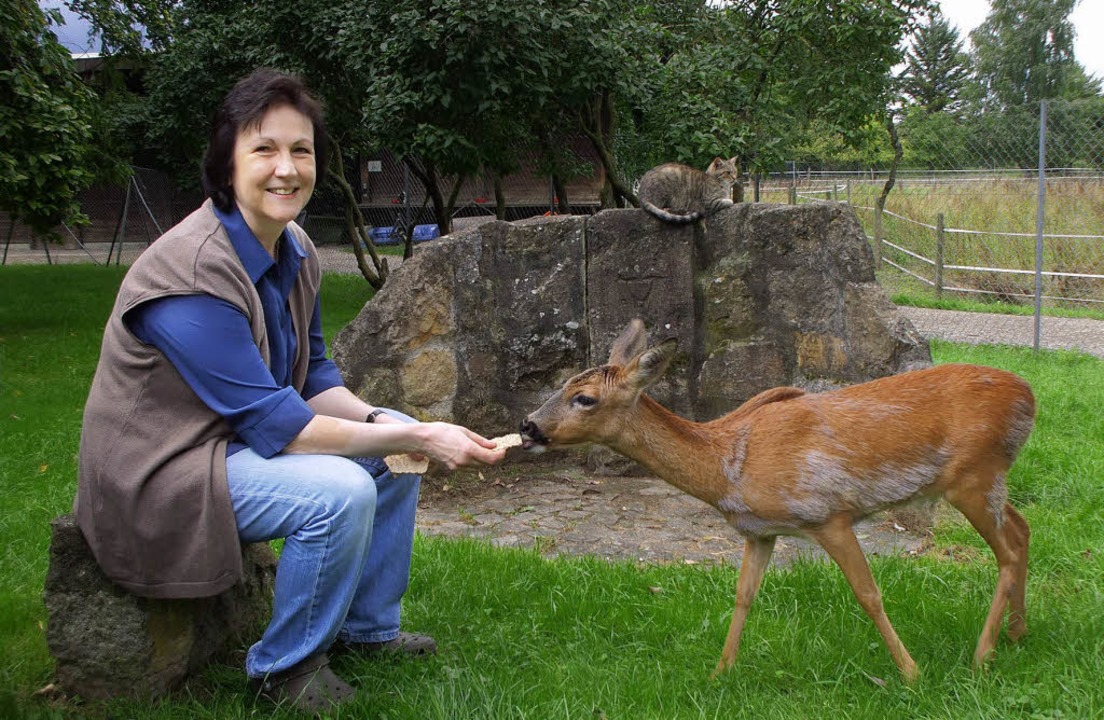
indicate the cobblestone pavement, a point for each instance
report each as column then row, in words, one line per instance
column 563, row 510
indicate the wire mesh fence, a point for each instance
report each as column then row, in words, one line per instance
column 394, row 196
column 122, row 221
column 1021, row 230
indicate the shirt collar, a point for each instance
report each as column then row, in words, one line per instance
column 255, row 259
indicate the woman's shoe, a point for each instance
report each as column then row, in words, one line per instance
column 309, row 686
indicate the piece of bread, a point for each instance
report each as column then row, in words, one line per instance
column 507, row 441
column 405, row 464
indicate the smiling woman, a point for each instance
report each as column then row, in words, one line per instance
column 215, row 417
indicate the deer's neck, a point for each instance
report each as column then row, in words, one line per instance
column 684, row 453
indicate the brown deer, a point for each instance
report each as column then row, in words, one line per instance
column 788, row 462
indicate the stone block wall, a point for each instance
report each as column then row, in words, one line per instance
column 480, row 326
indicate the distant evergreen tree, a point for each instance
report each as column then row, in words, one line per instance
column 936, row 71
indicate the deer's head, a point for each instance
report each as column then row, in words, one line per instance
column 595, row 405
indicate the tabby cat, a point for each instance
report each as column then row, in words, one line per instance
column 681, row 194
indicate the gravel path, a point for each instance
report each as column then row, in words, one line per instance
column 984, row 328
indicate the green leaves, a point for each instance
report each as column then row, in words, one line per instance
column 1024, row 53
column 748, row 78
column 44, row 120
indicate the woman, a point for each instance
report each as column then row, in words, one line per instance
column 215, row 417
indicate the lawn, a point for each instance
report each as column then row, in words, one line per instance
column 526, row 637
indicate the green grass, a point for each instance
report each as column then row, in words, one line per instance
column 983, row 207
column 526, row 637
column 913, row 298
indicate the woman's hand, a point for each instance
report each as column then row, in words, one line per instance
column 455, row 446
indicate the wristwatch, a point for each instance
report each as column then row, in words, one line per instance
column 373, row 415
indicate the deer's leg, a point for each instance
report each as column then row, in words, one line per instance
column 757, row 554
column 838, row 539
column 1017, row 534
column 1005, row 539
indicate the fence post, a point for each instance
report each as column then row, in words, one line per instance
column 939, row 255
column 848, row 191
column 120, row 227
column 793, row 195
column 1040, row 214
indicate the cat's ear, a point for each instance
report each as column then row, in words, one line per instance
column 717, row 162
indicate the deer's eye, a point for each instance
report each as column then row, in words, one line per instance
column 584, row 401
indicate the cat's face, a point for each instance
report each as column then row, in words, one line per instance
column 726, row 170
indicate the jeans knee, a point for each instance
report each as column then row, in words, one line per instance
column 362, row 497
column 350, row 492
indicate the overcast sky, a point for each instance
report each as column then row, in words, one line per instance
column 963, row 14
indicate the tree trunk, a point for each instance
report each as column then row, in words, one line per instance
column 356, row 227
column 451, row 207
column 598, row 122
column 428, row 178
column 898, row 153
column 563, row 205
column 500, row 198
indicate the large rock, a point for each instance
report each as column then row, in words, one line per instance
column 480, row 326
column 108, row 643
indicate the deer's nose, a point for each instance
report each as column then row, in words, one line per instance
column 530, row 433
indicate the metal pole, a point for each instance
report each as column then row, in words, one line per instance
column 160, row 232
column 120, row 229
column 1040, row 214
column 939, row 255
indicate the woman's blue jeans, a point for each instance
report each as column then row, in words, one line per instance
column 348, row 529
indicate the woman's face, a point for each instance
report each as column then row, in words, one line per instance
column 274, row 171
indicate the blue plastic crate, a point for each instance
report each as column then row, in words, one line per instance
column 392, row 236
column 385, row 236
column 426, row 232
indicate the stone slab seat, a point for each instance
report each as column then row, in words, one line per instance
column 109, row 643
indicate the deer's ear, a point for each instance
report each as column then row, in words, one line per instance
column 630, row 344
column 650, row 366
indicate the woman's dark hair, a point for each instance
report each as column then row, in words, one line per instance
column 244, row 107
